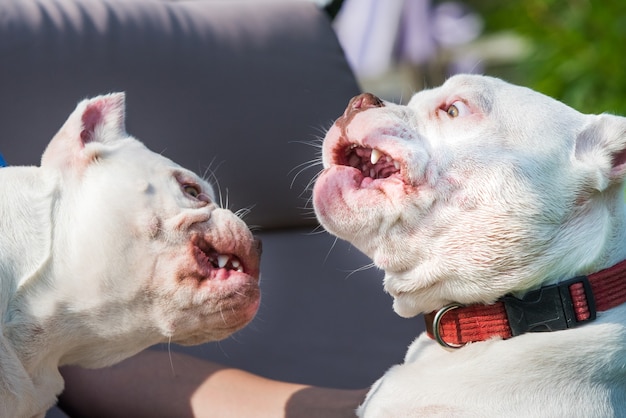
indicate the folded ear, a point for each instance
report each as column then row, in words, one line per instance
column 97, row 120
column 602, row 146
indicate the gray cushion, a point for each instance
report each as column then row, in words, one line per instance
column 215, row 84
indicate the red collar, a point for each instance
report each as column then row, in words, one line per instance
column 550, row 308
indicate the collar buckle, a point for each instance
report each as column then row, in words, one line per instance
column 436, row 324
column 552, row 308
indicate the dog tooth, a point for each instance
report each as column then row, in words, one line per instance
column 222, row 260
column 396, row 165
column 375, row 156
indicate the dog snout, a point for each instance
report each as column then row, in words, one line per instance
column 362, row 102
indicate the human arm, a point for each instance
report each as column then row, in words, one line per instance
column 161, row 384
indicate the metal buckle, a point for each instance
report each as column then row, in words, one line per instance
column 549, row 308
column 437, row 323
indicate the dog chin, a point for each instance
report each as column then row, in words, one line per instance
column 244, row 317
column 225, row 319
column 410, row 304
column 411, row 296
column 405, row 305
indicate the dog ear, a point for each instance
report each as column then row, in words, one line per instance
column 602, row 145
column 97, row 120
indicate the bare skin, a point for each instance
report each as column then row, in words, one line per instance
column 153, row 385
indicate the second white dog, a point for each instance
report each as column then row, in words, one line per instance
column 498, row 212
column 106, row 249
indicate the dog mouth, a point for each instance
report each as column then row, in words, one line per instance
column 225, row 261
column 213, row 261
column 371, row 162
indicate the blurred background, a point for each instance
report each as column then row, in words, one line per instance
column 573, row 50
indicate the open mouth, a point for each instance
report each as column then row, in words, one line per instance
column 212, row 260
column 225, row 261
column 371, row 162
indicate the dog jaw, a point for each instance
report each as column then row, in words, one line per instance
column 489, row 198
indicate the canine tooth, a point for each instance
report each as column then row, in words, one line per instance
column 375, row 156
column 222, row 260
column 396, row 165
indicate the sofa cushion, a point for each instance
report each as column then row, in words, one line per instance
column 216, row 86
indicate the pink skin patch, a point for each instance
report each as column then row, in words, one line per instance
column 92, row 117
column 107, row 109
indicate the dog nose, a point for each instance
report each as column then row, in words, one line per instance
column 362, row 102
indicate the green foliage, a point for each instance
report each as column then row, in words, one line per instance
column 578, row 48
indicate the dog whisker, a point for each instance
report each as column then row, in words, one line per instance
column 330, row 249
column 223, row 317
column 210, row 176
column 302, row 168
column 317, row 144
column 243, row 212
column 169, row 354
column 317, row 230
column 360, row 269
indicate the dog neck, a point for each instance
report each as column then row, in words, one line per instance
column 26, row 227
column 551, row 308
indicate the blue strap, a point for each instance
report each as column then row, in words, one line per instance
column 2, row 162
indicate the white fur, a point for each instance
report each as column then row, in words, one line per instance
column 97, row 261
column 517, row 191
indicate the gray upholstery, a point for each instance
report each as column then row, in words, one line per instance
column 245, row 88
column 219, row 84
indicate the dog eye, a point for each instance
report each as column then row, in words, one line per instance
column 192, row 190
column 457, row 109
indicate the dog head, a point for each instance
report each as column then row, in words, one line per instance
column 473, row 190
column 139, row 252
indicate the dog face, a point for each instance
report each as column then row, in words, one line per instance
column 473, row 190
column 139, row 252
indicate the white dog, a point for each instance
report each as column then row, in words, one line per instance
column 106, row 249
column 497, row 211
